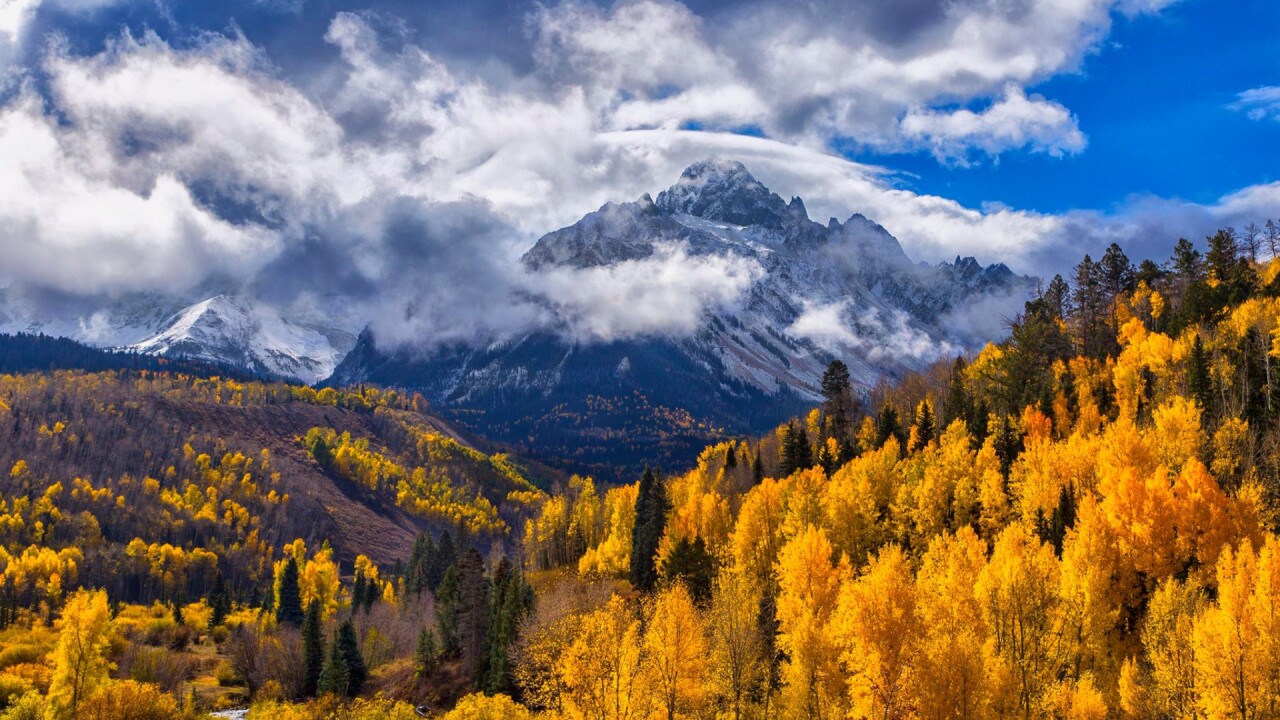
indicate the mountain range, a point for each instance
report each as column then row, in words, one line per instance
column 816, row 292
column 842, row 290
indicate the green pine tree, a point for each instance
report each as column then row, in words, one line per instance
column 312, row 650
column 289, row 604
column 426, row 656
column 652, row 506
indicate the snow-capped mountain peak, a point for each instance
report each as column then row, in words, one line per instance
column 725, row 191
column 230, row 330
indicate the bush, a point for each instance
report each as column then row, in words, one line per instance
column 156, row 666
column 129, row 700
column 28, row 707
column 488, row 707
column 227, row 676
column 12, row 688
column 18, row 654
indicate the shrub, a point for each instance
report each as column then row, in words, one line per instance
column 129, row 700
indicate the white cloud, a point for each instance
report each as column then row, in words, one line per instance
column 408, row 189
column 667, row 292
column 1260, row 103
column 1013, row 121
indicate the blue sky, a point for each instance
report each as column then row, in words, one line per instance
column 1154, row 103
column 163, row 144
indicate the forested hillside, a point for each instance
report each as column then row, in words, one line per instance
column 1078, row 522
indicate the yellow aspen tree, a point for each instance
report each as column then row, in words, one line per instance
column 1095, row 590
column 877, row 624
column 757, row 536
column 80, row 662
column 808, row 589
column 1022, row 608
column 950, row 679
column 676, row 649
column 737, row 652
column 603, row 671
column 1168, row 639
column 1237, row 646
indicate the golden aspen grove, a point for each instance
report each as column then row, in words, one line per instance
column 1076, row 523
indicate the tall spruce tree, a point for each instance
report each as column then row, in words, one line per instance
column 426, row 656
column 344, row 671
column 219, row 601
column 838, row 403
column 1199, row 381
column 312, row 650
column 473, row 613
column 652, row 506
column 512, row 601
column 289, row 603
column 447, row 612
column 925, row 428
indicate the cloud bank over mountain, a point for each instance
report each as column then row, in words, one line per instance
column 400, row 183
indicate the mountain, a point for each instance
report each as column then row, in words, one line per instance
column 225, row 329
column 841, row 290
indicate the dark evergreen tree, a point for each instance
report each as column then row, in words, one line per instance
column 925, row 429
column 692, row 564
column 289, row 605
column 219, row 601
column 888, row 425
column 1199, row 381
column 757, row 469
column 512, row 602
column 1053, row 530
column 1117, row 272
column 1057, row 297
column 344, row 671
column 958, row 405
column 445, row 557
column 473, row 614
column 312, row 649
column 358, row 592
column 1092, row 310
column 838, row 405
column 1008, row 445
column 426, row 656
column 731, row 457
column 447, row 612
column 417, row 574
column 796, row 453
column 650, row 524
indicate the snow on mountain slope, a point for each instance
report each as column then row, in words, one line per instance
column 841, row 290
column 228, row 330
column 222, row 329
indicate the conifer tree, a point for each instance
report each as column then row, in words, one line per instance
column 312, row 649
column 473, row 613
column 447, row 612
column 838, row 404
column 289, row 604
column 690, row 564
column 219, row 601
column 1199, row 382
column 344, row 671
column 650, row 524
column 925, row 430
column 512, row 601
column 334, row 676
column 426, row 656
